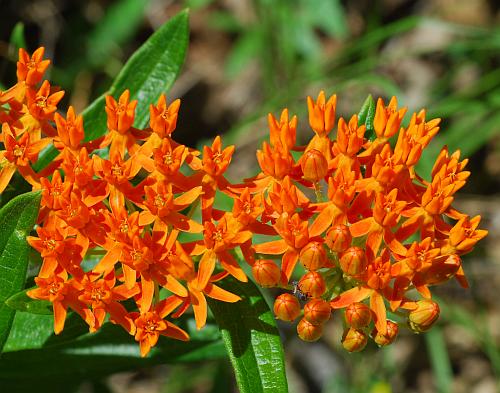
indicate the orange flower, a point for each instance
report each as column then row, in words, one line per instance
column 295, row 234
column 151, row 324
column 199, row 284
column 70, row 130
column 163, row 119
column 276, row 162
column 168, row 160
column 120, row 118
column 388, row 118
column 55, row 192
column 350, row 138
column 322, row 113
column 103, row 297
column 386, row 214
column 78, row 168
column 163, row 208
column 120, row 113
column 117, row 172
column 58, row 290
column 463, row 236
column 214, row 163
column 17, row 155
column 203, row 285
column 43, row 103
column 31, row 69
column 282, row 132
column 218, row 240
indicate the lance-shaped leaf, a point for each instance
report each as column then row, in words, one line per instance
column 17, row 218
column 22, row 302
column 366, row 116
column 149, row 72
column 252, row 340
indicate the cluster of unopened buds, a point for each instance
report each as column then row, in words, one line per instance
column 122, row 227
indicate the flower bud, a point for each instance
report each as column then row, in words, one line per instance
column 317, row 311
column 266, row 273
column 314, row 165
column 389, row 336
column 312, row 284
column 338, row 238
column 313, row 256
column 423, row 316
column 309, row 332
column 353, row 261
column 286, row 307
column 358, row 315
column 354, row 340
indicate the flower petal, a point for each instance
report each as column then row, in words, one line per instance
column 350, row 296
column 377, row 305
column 218, row 293
column 275, row 247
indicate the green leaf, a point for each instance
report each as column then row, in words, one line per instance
column 252, row 340
column 93, row 356
column 17, row 39
column 149, row 72
column 22, row 302
column 17, row 218
column 440, row 360
column 366, row 116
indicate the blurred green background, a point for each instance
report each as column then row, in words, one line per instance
column 247, row 58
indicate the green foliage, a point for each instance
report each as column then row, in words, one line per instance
column 17, row 39
column 252, row 340
column 366, row 115
column 22, row 302
column 17, row 219
column 439, row 358
column 93, row 356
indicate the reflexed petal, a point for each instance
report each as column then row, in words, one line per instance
column 377, row 305
column 200, row 308
column 59, row 316
column 109, row 260
column 205, row 269
column 275, row 247
column 168, row 305
column 323, row 221
column 118, row 314
column 361, row 228
column 231, row 266
column 353, row 295
column 147, row 293
column 175, row 286
column 288, row 262
column 188, row 197
column 145, row 347
column 176, row 332
column 218, row 293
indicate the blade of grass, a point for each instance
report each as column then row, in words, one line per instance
column 440, row 361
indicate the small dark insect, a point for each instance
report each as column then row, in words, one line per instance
column 297, row 292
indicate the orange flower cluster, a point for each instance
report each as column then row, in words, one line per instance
column 120, row 227
column 379, row 230
column 109, row 229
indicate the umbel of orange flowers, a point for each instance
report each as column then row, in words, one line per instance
column 134, row 208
